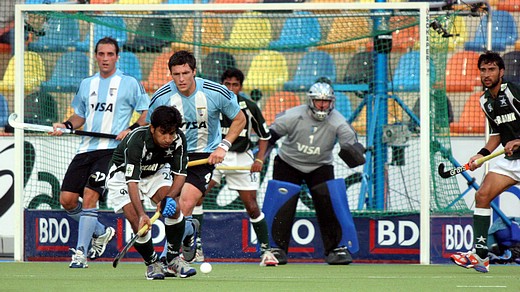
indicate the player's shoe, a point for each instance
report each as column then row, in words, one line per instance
column 470, row 260
column 268, row 259
column 179, row 268
column 339, row 256
column 154, row 271
column 189, row 244
column 199, row 254
column 280, row 255
column 99, row 244
column 79, row 261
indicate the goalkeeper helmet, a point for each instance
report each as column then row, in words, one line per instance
column 321, row 91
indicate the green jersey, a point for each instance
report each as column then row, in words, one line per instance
column 503, row 114
column 139, row 157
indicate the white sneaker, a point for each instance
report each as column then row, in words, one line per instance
column 268, row 259
column 99, row 244
column 79, row 260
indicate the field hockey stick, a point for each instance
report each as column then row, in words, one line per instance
column 141, row 231
column 220, row 167
column 460, row 169
column 42, row 128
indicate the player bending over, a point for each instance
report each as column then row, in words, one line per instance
column 142, row 166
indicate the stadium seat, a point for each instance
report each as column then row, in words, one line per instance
column 159, row 74
column 66, row 76
column 406, row 76
column 298, row 33
column 312, row 66
column 511, row 5
column 211, row 35
column 278, row 102
column 157, row 32
column 101, row 31
column 4, row 111
column 342, row 38
column 404, row 37
column 129, row 64
column 249, row 32
column 34, row 73
column 40, row 108
column 504, row 33
column 130, row 2
column 61, row 35
column 343, row 104
column 268, row 72
column 472, row 119
column 214, row 64
column 512, row 63
column 462, row 73
column 360, row 69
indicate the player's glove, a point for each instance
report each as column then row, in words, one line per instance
column 168, row 207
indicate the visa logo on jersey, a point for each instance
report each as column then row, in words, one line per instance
column 102, row 107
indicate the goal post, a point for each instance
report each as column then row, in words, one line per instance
column 397, row 178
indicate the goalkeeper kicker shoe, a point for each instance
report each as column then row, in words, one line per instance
column 99, row 244
column 154, row 271
column 339, row 256
column 268, row 259
column 79, row 261
column 179, row 268
column 189, row 244
column 470, row 260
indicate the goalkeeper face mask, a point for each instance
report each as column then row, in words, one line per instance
column 321, row 100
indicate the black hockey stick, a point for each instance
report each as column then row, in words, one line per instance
column 47, row 129
column 462, row 168
column 125, row 249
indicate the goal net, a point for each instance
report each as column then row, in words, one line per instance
column 384, row 62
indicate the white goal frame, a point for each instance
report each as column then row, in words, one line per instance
column 422, row 7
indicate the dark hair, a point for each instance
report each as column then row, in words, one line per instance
column 182, row 57
column 324, row 79
column 107, row 41
column 490, row 57
column 232, row 72
column 166, row 117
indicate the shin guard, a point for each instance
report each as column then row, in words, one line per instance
column 337, row 191
column 279, row 208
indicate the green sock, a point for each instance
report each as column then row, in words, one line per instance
column 262, row 233
column 481, row 220
column 174, row 235
column 147, row 251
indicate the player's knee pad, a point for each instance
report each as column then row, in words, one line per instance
column 277, row 195
column 337, row 191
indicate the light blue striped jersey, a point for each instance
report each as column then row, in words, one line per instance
column 107, row 105
column 200, row 111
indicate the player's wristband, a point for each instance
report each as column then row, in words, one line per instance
column 134, row 126
column 68, row 125
column 225, row 144
column 484, row 152
column 259, row 161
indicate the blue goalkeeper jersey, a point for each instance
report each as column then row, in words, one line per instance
column 200, row 111
column 107, row 105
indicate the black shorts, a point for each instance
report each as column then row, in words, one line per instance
column 284, row 172
column 200, row 175
column 82, row 166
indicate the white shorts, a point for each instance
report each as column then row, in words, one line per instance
column 118, row 197
column 238, row 180
column 510, row 168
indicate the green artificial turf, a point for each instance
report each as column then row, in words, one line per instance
column 100, row 276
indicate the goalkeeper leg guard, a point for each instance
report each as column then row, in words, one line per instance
column 337, row 227
column 279, row 209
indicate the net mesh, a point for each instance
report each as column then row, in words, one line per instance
column 281, row 55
